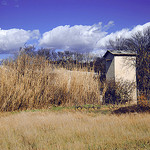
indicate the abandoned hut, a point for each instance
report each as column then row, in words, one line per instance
column 120, row 67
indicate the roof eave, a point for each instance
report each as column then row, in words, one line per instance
column 119, row 54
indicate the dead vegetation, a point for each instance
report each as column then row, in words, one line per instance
column 32, row 82
column 74, row 130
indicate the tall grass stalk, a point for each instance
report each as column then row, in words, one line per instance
column 32, row 82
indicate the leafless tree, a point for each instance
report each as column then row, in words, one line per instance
column 140, row 44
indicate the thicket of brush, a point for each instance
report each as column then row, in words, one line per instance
column 118, row 92
column 32, row 82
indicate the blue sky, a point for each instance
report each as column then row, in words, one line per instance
column 79, row 25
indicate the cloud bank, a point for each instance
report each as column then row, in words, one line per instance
column 76, row 38
column 12, row 39
column 79, row 38
column 124, row 33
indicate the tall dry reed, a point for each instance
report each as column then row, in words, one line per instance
column 32, row 82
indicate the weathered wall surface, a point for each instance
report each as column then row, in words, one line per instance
column 110, row 74
column 125, row 70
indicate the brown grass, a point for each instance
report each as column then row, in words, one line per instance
column 32, row 82
column 74, row 130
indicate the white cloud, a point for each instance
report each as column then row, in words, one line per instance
column 81, row 38
column 76, row 38
column 13, row 39
column 110, row 24
column 124, row 33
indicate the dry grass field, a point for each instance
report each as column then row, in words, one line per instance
column 47, row 130
column 30, row 83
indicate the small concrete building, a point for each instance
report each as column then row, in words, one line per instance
column 120, row 66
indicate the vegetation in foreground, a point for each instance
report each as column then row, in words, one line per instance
column 73, row 130
column 40, row 79
column 33, row 83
